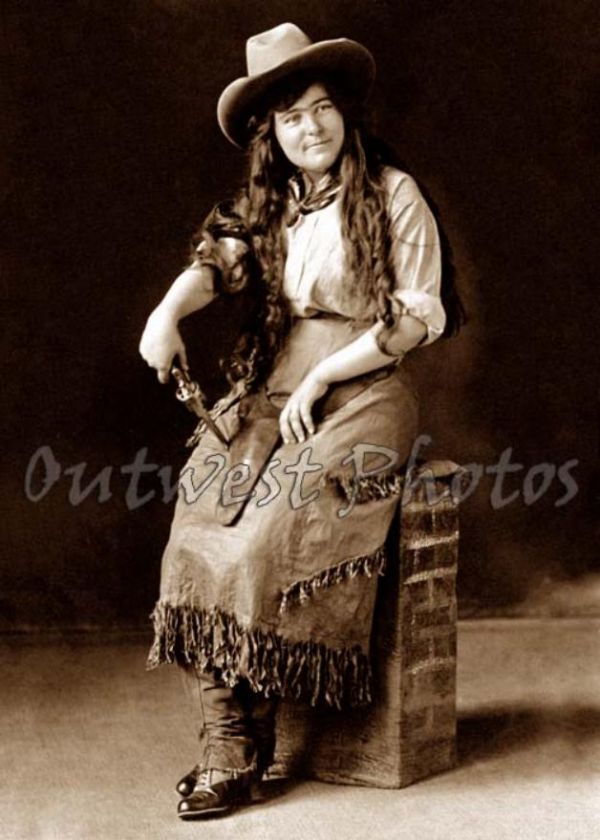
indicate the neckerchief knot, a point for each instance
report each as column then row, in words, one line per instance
column 323, row 193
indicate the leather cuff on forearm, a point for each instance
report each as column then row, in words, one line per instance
column 383, row 339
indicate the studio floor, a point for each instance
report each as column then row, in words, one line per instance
column 92, row 745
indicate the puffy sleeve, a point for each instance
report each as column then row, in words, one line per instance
column 224, row 243
column 416, row 258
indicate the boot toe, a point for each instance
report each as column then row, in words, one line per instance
column 203, row 804
column 215, row 800
column 186, row 785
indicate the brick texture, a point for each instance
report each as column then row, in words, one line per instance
column 409, row 732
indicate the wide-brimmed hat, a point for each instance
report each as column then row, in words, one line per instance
column 281, row 52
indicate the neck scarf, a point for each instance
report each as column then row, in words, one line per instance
column 320, row 195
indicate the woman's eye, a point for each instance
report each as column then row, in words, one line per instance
column 324, row 106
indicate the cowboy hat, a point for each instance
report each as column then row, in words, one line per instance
column 280, row 52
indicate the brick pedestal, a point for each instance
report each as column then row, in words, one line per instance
column 409, row 732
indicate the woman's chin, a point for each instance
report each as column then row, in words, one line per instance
column 318, row 165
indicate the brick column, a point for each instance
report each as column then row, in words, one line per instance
column 424, row 649
column 409, row 732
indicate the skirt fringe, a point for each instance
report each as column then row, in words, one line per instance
column 366, row 564
column 273, row 665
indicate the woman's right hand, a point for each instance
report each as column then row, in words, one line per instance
column 161, row 341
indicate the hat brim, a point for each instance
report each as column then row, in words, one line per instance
column 347, row 59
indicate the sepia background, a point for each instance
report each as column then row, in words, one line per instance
column 113, row 158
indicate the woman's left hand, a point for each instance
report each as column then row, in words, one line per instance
column 295, row 420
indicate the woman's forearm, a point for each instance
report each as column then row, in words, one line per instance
column 192, row 290
column 161, row 340
column 363, row 355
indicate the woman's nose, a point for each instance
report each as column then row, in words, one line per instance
column 312, row 124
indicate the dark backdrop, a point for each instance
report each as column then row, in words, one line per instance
column 114, row 155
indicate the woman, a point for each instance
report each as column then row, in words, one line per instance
column 269, row 577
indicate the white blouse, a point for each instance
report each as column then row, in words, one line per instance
column 314, row 277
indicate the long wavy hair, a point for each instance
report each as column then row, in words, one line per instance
column 366, row 232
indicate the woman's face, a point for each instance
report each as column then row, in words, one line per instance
column 311, row 132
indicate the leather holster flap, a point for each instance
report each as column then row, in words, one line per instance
column 250, row 451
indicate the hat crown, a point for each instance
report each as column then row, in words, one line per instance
column 269, row 49
column 277, row 54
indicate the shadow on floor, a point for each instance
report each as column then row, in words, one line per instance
column 503, row 731
column 275, row 787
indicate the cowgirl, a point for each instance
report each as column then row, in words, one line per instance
column 339, row 257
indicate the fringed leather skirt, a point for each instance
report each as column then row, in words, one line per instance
column 271, row 568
